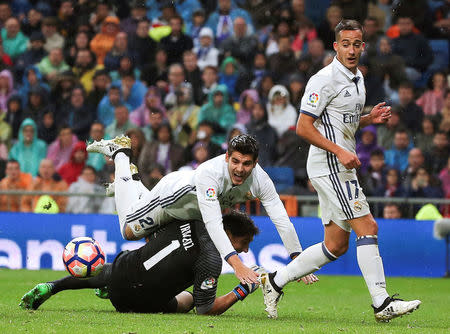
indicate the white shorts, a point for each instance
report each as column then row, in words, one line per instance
column 340, row 198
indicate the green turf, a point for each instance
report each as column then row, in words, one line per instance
column 336, row 304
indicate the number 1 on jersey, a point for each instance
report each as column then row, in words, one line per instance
column 152, row 261
column 349, row 191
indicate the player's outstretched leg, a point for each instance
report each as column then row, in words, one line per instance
column 110, row 147
column 394, row 307
column 140, row 188
column 36, row 296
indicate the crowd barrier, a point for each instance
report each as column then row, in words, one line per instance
column 35, row 241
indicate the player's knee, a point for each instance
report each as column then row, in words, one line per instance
column 128, row 234
column 372, row 227
column 337, row 248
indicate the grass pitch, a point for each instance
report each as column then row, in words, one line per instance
column 336, row 304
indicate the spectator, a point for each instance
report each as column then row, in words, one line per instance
column 156, row 74
column 126, row 66
column 413, row 48
column 176, row 78
column 204, row 134
column 156, row 117
column 37, row 104
column 5, row 60
column 386, row 132
column 282, row 28
column 282, row 63
column 281, row 114
column 424, row 139
column 156, row 174
column 183, row 117
column 247, row 101
column 210, row 81
column 67, row 20
column 326, row 28
column 424, row 185
column 14, row 41
column 47, row 129
column 14, row 114
column 444, row 176
column 6, row 89
column 60, row 150
column 140, row 116
column 141, row 45
column 432, row 101
column 101, row 81
column 195, row 26
column 397, row 156
column 138, row 14
column 264, row 87
column 85, row 184
column 31, row 56
column 306, row 33
column 62, row 89
column 366, row 146
column 393, row 186
column 264, row 133
column 71, row 48
column 437, row 157
column 416, row 160
column 77, row 114
column 241, row 45
column 85, row 68
column 219, row 112
column 251, row 77
column 32, row 23
column 392, row 211
column 163, row 151
column 371, row 36
column 95, row 160
column 228, row 76
column 352, row 9
column 411, row 114
column 133, row 91
column 121, row 124
column 5, row 12
column 119, row 49
column 374, row 177
column 53, row 64
column 314, row 57
column 177, row 42
column 32, row 79
column 236, row 130
column 103, row 42
column 45, row 182
column 106, row 107
column 138, row 141
column 446, row 109
column 53, row 39
column 103, row 12
column 297, row 83
column 193, row 75
column 14, row 180
column 199, row 153
column 73, row 168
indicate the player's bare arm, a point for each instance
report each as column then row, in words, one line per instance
column 378, row 115
column 307, row 130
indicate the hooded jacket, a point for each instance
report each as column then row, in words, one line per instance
column 141, row 115
column 26, row 86
column 364, row 151
column 105, row 110
column 281, row 118
column 229, row 80
column 223, row 116
column 102, row 43
column 244, row 115
column 28, row 156
column 72, row 169
column 4, row 96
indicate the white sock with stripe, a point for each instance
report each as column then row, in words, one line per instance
column 371, row 265
column 310, row 260
column 126, row 193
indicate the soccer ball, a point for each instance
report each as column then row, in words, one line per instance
column 83, row 257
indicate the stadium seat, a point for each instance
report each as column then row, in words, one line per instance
column 282, row 177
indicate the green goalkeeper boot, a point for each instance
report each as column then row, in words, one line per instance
column 36, row 296
column 102, row 293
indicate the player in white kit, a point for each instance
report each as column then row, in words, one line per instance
column 330, row 114
column 200, row 194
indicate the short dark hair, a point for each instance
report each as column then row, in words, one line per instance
column 407, row 85
column 13, row 161
column 244, row 144
column 347, row 25
column 92, row 169
column 63, row 127
column 377, row 153
column 239, row 224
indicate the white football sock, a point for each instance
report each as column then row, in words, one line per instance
column 371, row 265
column 126, row 193
column 309, row 261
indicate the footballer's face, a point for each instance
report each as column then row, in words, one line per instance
column 240, row 244
column 240, row 166
column 349, row 46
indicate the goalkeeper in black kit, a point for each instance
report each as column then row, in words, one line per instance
column 154, row 277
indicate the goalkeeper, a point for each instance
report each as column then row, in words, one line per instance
column 154, row 277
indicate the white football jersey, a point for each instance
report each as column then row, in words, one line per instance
column 203, row 194
column 335, row 97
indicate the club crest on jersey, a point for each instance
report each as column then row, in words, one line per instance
column 313, row 99
column 211, row 194
column 248, row 195
column 208, row 283
column 357, row 206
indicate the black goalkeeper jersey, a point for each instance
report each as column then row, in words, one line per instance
column 175, row 257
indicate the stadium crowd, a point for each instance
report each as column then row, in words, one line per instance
column 182, row 77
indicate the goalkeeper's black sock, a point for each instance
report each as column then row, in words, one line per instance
column 241, row 291
column 271, row 280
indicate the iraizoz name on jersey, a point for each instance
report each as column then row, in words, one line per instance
column 187, row 236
